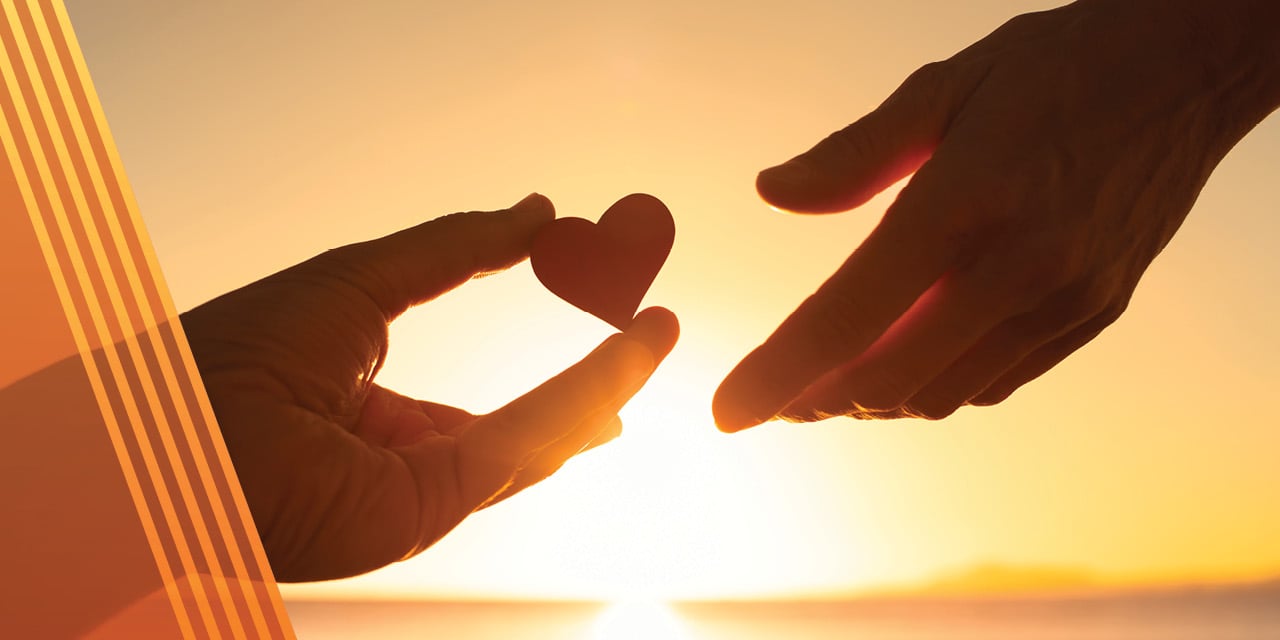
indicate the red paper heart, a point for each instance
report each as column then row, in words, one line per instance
column 606, row 268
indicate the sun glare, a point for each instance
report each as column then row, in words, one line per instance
column 639, row 620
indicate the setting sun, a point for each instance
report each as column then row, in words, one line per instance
column 638, row 620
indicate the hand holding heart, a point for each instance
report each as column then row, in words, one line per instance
column 343, row 475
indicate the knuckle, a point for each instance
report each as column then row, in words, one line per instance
column 846, row 409
column 1112, row 312
column 888, row 391
column 992, row 397
column 933, row 92
column 1026, row 24
column 932, row 407
column 450, row 234
column 1090, row 299
column 927, row 77
column 357, row 267
column 1019, row 22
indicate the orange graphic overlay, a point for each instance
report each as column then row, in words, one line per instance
column 125, row 514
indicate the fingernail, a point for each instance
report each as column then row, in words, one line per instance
column 530, row 200
column 788, row 174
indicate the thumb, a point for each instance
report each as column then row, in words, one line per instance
column 852, row 165
column 417, row 264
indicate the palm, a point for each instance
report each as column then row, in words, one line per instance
column 289, row 365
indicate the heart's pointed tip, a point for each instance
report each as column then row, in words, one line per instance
column 620, row 319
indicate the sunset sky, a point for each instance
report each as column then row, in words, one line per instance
column 258, row 134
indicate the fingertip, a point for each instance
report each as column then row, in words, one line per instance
column 731, row 420
column 534, row 207
column 800, row 186
column 730, row 415
column 785, row 186
column 656, row 328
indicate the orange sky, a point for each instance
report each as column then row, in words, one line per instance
column 256, row 135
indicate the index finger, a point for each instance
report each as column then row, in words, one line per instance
column 417, row 264
column 908, row 251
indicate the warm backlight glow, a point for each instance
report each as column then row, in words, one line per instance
column 638, row 620
column 257, row 135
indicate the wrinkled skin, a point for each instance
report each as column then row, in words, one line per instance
column 343, row 476
column 1053, row 160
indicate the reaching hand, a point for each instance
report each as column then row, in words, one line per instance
column 343, row 476
column 1053, row 160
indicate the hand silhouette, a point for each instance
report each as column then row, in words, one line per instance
column 343, row 476
column 1053, row 160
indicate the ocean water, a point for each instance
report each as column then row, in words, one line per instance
column 1206, row 614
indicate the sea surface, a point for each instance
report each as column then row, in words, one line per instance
column 1198, row 614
